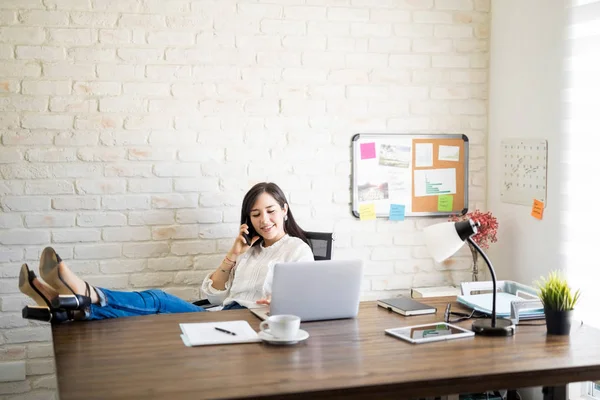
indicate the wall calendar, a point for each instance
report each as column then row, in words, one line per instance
column 525, row 171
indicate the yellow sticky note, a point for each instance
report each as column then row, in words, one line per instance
column 366, row 212
column 445, row 202
column 537, row 211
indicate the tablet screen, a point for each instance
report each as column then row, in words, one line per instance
column 430, row 332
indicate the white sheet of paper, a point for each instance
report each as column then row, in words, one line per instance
column 204, row 333
column 449, row 153
column 423, row 155
column 435, row 182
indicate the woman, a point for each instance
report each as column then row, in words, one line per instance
column 268, row 234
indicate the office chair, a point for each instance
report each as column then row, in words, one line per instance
column 321, row 244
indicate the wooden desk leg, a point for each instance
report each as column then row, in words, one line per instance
column 555, row 392
column 512, row 394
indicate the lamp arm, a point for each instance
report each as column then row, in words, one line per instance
column 492, row 272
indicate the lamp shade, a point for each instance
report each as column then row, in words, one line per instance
column 445, row 239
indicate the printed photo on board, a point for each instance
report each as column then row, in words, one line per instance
column 394, row 156
column 373, row 191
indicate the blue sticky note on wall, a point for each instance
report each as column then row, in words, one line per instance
column 396, row 212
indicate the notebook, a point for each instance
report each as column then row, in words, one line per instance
column 406, row 306
column 206, row 333
column 315, row 290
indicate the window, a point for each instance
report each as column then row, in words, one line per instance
column 581, row 163
column 594, row 389
column 580, row 155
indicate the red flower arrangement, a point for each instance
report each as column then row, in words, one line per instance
column 486, row 233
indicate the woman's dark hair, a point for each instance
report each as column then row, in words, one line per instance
column 290, row 226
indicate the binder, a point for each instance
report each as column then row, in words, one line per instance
column 513, row 300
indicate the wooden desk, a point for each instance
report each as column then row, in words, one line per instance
column 144, row 357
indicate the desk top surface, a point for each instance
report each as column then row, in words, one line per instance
column 144, row 357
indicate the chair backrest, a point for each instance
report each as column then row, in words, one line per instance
column 321, row 244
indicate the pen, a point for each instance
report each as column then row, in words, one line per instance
column 224, row 330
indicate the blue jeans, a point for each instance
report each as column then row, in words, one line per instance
column 116, row 304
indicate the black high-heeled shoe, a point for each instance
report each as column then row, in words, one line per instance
column 26, row 286
column 45, row 314
column 72, row 301
column 49, row 271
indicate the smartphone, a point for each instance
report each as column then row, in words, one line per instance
column 248, row 236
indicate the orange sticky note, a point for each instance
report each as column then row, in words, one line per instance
column 537, row 211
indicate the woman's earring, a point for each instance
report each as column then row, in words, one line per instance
column 285, row 218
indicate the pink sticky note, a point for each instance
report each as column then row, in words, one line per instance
column 367, row 150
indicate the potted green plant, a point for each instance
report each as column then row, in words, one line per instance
column 559, row 301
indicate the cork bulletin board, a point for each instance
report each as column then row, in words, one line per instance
column 422, row 175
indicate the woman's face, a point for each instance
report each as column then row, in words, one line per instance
column 267, row 218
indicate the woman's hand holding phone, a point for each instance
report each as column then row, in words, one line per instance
column 241, row 244
column 244, row 240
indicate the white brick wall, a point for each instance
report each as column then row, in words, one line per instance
column 130, row 131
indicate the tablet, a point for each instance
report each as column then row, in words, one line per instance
column 430, row 332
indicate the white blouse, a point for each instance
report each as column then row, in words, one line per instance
column 252, row 276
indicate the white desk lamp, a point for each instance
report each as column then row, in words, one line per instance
column 445, row 239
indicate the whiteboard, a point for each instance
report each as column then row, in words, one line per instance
column 423, row 175
column 525, row 164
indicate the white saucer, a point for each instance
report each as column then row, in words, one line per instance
column 302, row 335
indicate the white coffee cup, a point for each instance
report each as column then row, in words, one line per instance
column 281, row 326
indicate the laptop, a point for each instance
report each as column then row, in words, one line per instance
column 315, row 290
